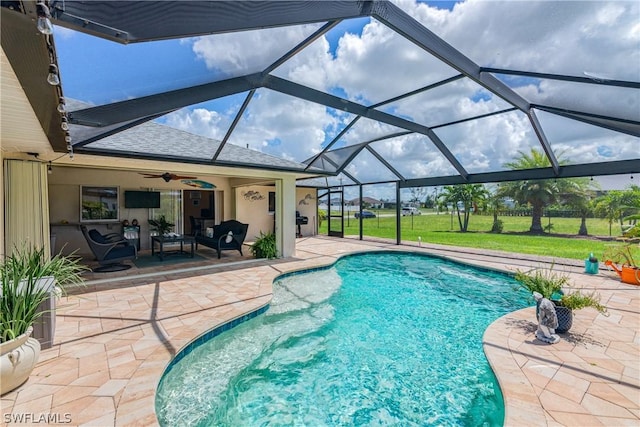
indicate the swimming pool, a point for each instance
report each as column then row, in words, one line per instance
column 376, row 339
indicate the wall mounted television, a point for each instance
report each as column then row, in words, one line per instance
column 141, row 199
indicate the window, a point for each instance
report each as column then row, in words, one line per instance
column 99, row 204
column 272, row 201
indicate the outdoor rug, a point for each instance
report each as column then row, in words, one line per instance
column 146, row 261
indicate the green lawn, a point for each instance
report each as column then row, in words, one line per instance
column 438, row 229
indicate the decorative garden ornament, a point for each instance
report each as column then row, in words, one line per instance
column 547, row 320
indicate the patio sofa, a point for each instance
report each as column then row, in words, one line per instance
column 228, row 235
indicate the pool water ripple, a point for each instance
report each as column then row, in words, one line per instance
column 377, row 339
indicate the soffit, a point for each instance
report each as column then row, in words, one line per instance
column 20, row 128
column 27, row 52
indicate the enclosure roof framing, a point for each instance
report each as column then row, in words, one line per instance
column 422, row 124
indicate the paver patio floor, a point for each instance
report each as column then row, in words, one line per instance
column 114, row 340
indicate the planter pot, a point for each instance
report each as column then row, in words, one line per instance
column 627, row 273
column 18, row 357
column 565, row 317
column 44, row 328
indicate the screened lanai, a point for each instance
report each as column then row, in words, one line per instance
column 416, row 93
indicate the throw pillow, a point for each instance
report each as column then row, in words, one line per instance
column 229, row 237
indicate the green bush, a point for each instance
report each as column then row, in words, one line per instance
column 265, row 246
column 322, row 216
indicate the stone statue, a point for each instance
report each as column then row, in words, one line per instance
column 547, row 320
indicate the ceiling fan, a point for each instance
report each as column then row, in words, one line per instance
column 167, row 176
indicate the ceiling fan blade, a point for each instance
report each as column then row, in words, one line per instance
column 167, row 176
column 183, row 177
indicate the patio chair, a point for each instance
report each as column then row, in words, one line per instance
column 110, row 252
column 228, row 235
column 196, row 225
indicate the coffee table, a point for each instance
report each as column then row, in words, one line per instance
column 162, row 240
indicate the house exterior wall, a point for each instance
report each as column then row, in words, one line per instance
column 307, row 205
column 248, row 204
column 64, row 202
column 253, row 209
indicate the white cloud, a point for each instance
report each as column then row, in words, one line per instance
column 247, row 52
column 487, row 144
column 200, row 121
column 381, row 64
column 281, row 125
column 414, row 156
column 567, row 37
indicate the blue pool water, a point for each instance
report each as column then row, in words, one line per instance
column 377, row 339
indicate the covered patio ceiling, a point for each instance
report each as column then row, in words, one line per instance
column 359, row 92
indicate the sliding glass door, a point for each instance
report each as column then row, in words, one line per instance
column 171, row 208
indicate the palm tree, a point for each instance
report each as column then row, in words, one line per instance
column 618, row 205
column 495, row 202
column 539, row 192
column 581, row 200
column 466, row 194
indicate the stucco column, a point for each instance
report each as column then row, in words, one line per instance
column 286, row 216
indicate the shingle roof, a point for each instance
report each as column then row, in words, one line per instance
column 156, row 138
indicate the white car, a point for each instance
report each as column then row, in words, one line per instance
column 410, row 211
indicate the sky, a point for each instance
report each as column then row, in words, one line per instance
column 364, row 61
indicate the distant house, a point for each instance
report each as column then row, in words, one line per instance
column 371, row 202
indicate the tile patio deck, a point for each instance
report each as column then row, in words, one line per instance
column 114, row 339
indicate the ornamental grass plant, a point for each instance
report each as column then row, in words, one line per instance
column 552, row 285
column 23, row 292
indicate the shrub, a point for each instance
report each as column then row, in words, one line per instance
column 265, row 246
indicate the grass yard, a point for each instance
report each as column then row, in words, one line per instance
column 444, row 229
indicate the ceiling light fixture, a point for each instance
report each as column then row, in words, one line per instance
column 44, row 19
column 53, row 78
column 65, row 123
column 49, row 169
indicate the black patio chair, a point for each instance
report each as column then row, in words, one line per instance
column 110, row 252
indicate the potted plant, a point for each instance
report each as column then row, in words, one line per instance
column 550, row 285
column 624, row 259
column 265, row 246
column 28, row 278
column 162, row 226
